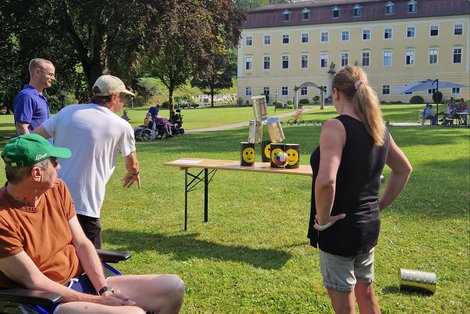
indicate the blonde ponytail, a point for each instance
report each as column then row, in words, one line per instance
column 353, row 82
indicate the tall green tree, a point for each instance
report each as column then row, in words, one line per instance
column 224, row 67
column 190, row 35
column 84, row 39
column 88, row 38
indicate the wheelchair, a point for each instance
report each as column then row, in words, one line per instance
column 144, row 134
column 26, row 301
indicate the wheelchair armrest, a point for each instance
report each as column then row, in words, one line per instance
column 42, row 298
column 110, row 256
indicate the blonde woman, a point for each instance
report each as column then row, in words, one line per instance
column 347, row 165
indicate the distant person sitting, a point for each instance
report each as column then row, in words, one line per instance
column 125, row 116
column 451, row 112
column 428, row 114
column 463, row 108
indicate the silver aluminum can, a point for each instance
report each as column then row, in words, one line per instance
column 276, row 133
column 255, row 132
column 416, row 280
column 260, row 107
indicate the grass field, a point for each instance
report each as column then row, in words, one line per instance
column 253, row 255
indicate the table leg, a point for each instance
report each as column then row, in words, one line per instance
column 206, row 195
column 190, row 185
column 185, row 199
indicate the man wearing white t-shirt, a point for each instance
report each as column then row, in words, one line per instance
column 96, row 135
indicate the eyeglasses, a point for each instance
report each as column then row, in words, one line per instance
column 47, row 73
column 54, row 162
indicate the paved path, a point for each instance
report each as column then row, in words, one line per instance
column 287, row 114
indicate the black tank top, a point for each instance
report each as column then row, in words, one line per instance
column 357, row 193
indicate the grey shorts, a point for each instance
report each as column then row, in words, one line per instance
column 342, row 273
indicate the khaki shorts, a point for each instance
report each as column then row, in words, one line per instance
column 341, row 273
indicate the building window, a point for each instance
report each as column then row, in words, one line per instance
column 284, row 91
column 285, row 38
column 267, row 62
column 431, row 91
column 304, row 61
column 412, row 7
column 457, row 55
column 410, row 32
column 385, row 89
column 248, row 91
column 458, row 29
column 249, row 63
column 345, row 36
column 266, row 91
column 387, row 58
column 344, row 56
column 389, row 8
column 366, row 34
column 305, row 37
column 324, row 37
column 305, row 14
column 456, row 90
column 357, row 10
column 410, row 57
column 433, row 53
column 249, row 41
column 267, row 39
column 335, row 12
column 285, row 62
column 434, row 31
column 303, row 91
column 365, row 58
column 286, row 16
column 323, row 60
column 388, row 33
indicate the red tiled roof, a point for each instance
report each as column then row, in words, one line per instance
column 372, row 10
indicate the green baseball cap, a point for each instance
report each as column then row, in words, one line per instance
column 29, row 149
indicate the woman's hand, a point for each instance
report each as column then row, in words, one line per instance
column 331, row 221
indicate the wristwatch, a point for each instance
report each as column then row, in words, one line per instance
column 104, row 289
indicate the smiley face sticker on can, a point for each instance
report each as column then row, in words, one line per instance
column 247, row 154
column 266, row 151
column 293, row 151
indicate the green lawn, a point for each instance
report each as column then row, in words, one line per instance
column 253, row 255
column 210, row 117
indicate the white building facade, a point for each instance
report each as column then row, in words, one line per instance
column 396, row 42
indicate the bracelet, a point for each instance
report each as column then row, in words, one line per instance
column 104, row 289
column 319, row 227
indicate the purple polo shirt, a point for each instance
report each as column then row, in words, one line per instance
column 31, row 107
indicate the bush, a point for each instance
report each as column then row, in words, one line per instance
column 316, row 99
column 165, row 105
column 303, row 101
column 416, row 100
column 239, row 101
column 437, row 97
column 278, row 105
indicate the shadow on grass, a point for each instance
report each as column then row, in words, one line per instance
column 397, row 290
column 186, row 246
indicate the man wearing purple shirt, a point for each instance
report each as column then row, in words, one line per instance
column 31, row 107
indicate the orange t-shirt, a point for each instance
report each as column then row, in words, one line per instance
column 42, row 232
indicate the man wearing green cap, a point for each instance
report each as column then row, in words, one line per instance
column 43, row 247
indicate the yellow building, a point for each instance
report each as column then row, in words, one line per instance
column 396, row 42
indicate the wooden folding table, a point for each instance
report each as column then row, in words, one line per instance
column 206, row 169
